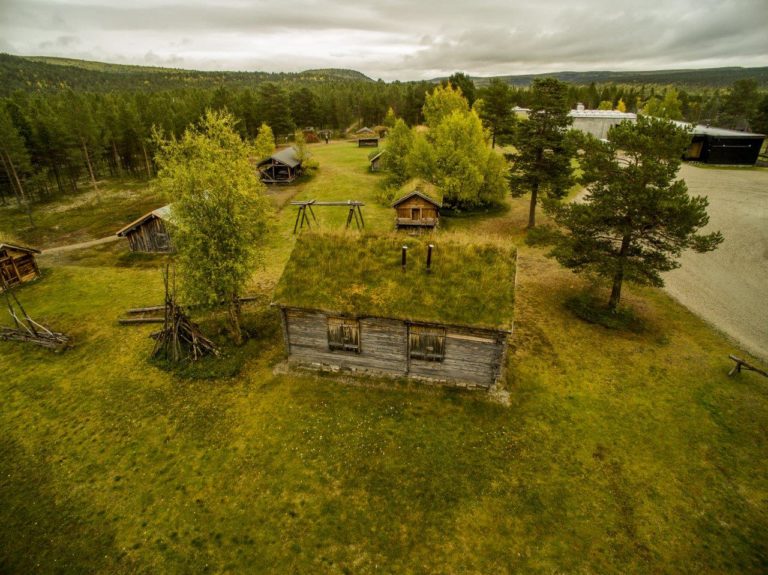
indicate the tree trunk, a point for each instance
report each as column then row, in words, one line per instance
column 532, row 210
column 118, row 167
column 88, row 163
column 493, row 139
column 146, row 161
column 10, row 179
column 21, row 189
column 234, row 319
column 618, row 277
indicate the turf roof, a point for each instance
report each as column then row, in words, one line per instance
column 470, row 284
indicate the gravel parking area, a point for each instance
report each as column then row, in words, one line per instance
column 729, row 287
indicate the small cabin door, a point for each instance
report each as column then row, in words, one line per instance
column 415, row 213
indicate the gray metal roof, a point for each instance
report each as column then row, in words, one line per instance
column 702, row 130
column 613, row 114
column 288, row 156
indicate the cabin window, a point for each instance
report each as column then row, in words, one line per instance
column 343, row 334
column 427, row 343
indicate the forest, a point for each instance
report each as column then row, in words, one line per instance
column 66, row 124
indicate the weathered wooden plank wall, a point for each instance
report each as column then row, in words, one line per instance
column 151, row 236
column 472, row 355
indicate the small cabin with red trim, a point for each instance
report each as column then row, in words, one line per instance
column 17, row 265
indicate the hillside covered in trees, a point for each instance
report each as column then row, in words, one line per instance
column 68, row 123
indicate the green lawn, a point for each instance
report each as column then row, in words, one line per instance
column 620, row 452
column 80, row 217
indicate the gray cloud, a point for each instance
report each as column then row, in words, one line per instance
column 398, row 39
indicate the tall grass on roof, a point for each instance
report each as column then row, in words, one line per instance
column 470, row 284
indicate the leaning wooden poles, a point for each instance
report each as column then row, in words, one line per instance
column 25, row 328
column 180, row 338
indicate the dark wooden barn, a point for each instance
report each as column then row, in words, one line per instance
column 419, row 208
column 721, row 146
column 282, row 167
column 351, row 304
column 17, row 264
column 150, row 232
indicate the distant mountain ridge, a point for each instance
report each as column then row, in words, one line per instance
column 705, row 77
column 44, row 73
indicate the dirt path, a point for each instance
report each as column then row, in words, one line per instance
column 729, row 287
column 88, row 244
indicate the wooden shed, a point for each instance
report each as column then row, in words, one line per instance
column 367, row 138
column 150, row 232
column 376, row 161
column 350, row 304
column 282, row 167
column 17, row 264
column 419, row 208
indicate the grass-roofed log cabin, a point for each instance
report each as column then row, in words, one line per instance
column 150, row 232
column 348, row 304
column 418, row 206
column 17, row 264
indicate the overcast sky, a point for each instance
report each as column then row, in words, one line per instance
column 394, row 40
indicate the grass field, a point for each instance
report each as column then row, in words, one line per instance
column 621, row 452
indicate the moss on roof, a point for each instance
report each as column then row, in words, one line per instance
column 421, row 186
column 470, row 284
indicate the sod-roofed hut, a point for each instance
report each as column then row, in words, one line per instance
column 418, row 207
column 150, row 232
column 282, row 167
column 17, row 264
column 367, row 138
column 350, row 304
column 376, row 160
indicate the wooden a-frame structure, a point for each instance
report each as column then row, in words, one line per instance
column 306, row 206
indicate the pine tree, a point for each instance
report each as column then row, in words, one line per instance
column 636, row 219
column 544, row 146
column 496, row 111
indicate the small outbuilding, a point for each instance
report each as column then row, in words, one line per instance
column 377, row 161
column 282, row 167
column 418, row 208
column 721, row 146
column 381, row 305
column 17, row 264
column 150, row 232
column 367, row 138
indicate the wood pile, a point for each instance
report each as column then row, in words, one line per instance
column 180, row 337
column 28, row 330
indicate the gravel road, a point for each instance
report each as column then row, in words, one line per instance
column 729, row 287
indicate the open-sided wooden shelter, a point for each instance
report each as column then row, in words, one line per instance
column 418, row 208
column 282, row 167
column 150, row 232
column 443, row 315
column 17, row 264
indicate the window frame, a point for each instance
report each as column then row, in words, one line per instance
column 419, row 331
column 348, row 343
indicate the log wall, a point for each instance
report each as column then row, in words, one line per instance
column 17, row 267
column 151, row 236
column 472, row 356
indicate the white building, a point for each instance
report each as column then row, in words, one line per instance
column 598, row 122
